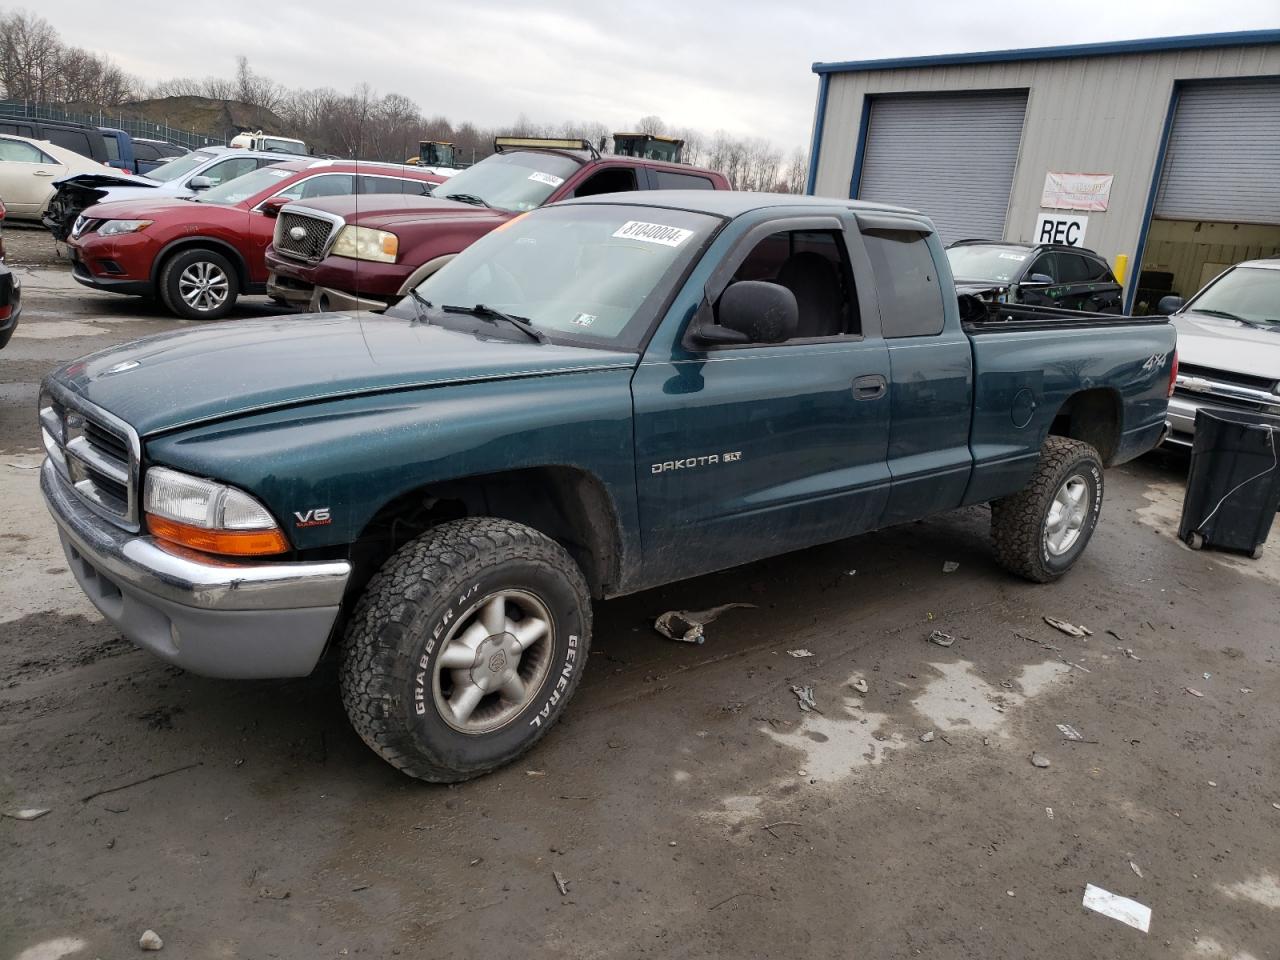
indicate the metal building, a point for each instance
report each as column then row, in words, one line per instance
column 1164, row 153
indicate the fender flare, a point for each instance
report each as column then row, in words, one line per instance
column 197, row 240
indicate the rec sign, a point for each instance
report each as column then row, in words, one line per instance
column 1059, row 228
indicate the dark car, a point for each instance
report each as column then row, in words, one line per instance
column 10, row 293
column 77, row 137
column 1044, row 275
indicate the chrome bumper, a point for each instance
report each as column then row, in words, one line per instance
column 224, row 619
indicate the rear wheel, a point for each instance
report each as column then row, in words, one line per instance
column 199, row 284
column 1040, row 532
column 465, row 648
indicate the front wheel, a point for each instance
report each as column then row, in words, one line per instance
column 465, row 648
column 1040, row 531
column 199, row 284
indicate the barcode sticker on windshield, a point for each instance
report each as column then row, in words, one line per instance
column 1013, row 256
column 550, row 179
column 652, row 233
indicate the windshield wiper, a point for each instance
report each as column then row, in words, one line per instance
column 470, row 198
column 420, row 306
column 488, row 313
column 1231, row 316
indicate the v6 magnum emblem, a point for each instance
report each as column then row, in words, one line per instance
column 316, row 517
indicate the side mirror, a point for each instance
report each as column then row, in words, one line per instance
column 199, row 183
column 1039, row 278
column 270, row 207
column 1170, row 304
column 753, row 311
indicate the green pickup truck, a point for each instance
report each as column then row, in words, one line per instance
column 602, row 396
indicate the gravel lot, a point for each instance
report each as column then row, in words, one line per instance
column 690, row 806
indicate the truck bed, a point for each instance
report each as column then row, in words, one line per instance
column 1021, row 316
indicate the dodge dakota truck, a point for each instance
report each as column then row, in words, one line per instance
column 315, row 259
column 605, row 395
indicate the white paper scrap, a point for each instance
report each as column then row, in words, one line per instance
column 1117, row 907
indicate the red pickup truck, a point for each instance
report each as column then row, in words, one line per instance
column 365, row 253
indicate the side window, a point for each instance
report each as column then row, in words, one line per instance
column 1099, row 272
column 328, row 185
column 417, row 188
column 1073, row 268
column 16, row 151
column 220, row 173
column 666, row 180
column 113, row 147
column 1047, row 264
column 74, row 140
column 813, row 265
column 145, row 151
column 608, row 180
column 906, row 283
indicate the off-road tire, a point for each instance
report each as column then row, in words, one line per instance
column 1018, row 521
column 388, row 652
column 172, row 270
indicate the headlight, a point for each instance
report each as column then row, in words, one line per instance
column 209, row 516
column 363, row 243
column 113, row 227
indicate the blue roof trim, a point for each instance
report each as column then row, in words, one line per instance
column 1199, row 41
column 819, row 121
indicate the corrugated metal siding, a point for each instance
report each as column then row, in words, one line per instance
column 1088, row 115
column 952, row 157
column 1223, row 161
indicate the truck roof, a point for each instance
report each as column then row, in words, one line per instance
column 734, row 203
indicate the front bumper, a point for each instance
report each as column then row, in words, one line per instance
column 216, row 618
column 1182, row 417
column 10, row 323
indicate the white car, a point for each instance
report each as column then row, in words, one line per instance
column 28, row 169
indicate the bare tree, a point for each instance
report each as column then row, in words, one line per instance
column 652, row 125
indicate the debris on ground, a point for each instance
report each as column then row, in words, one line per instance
column 927, row 737
column 779, row 823
column 1070, row 629
column 1117, row 907
column 561, row 883
column 1048, row 812
column 1039, row 760
column 800, row 653
column 150, row 940
column 804, row 696
column 941, row 639
column 1039, row 643
column 535, row 773
column 860, row 684
column 1070, row 733
column 950, row 566
column 1128, row 652
column 1213, row 783
column 688, row 625
column 1117, row 635
column 266, row 893
column 1136, row 869
column 1072, row 663
column 1207, row 676
column 31, row 813
column 1193, row 691
column 1246, row 690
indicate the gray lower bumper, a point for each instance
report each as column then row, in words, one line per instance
column 242, row 620
column 326, row 299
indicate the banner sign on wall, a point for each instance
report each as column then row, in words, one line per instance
column 1060, row 228
column 1076, row 191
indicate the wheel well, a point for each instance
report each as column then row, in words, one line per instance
column 1094, row 417
column 567, row 504
column 194, row 243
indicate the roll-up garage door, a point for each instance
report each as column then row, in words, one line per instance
column 949, row 156
column 1223, row 159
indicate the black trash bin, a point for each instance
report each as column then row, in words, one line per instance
column 1233, row 487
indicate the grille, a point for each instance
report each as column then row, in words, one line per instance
column 1227, row 376
column 94, row 455
column 315, row 235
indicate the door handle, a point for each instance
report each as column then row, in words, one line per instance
column 871, row 387
column 43, row 173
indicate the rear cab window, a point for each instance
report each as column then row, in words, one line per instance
column 670, row 180
column 907, row 285
column 76, row 141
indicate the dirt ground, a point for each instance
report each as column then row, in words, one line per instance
column 690, row 807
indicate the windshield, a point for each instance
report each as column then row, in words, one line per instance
column 179, row 166
column 244, row 187
column 514, row 182
column 585, row 272
column 1249, row 293
column 278, row 145
column 987, row 262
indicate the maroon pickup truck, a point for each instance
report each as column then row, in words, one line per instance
column 365, row 252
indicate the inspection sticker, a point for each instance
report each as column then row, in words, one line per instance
column 652, row 233
column 550, row 179
column 585, row 319
column 1013, row 256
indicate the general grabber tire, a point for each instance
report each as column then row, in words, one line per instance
column 1040, row 532
column 465, row 648
column 199, row 284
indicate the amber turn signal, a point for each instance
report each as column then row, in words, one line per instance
column 230, row 543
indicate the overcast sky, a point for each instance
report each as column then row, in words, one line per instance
column 738, row 65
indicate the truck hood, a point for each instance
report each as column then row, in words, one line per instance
column 243, row 366
column 1222, row 344
column 398, row 210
